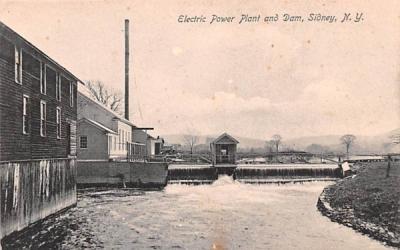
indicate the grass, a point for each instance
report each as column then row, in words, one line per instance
column 369, row 201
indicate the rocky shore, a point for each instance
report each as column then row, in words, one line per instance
column 368, row 202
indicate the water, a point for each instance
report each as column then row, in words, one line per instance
column 223, row 215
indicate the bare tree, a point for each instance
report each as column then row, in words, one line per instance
column 110, row 98
column 269, row 146
column 191, row 141
column 348, row 140
column 395, row 138
column 276, row 141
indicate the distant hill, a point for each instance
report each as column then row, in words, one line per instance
column 244, row 142
column 363, row 144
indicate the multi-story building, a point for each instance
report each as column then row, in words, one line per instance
column 38, row 115
column 37, row 102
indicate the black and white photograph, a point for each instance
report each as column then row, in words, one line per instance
column 215, row 125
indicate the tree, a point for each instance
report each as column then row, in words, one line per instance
column 269, row 146
column 276, row 141
column 348, row 140
column 101, row 93
column 191, row 141
column 395, row 138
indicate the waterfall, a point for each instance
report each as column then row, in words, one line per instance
column 191, row 174
column 287, row 173
column 266, row 173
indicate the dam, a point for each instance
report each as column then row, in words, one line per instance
column 223, row 162
column 254, row 174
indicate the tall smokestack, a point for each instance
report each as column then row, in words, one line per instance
column 127, row 69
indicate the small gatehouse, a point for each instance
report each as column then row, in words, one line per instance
column 223, row 153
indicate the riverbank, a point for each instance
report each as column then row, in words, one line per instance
column 367, row 202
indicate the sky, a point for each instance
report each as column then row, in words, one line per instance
column 252, row 79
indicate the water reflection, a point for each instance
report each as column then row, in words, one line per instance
column 223, row 215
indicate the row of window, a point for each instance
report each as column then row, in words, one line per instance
column 115, row 143
column 43, row 117
column 44, row 72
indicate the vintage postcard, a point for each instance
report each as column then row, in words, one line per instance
column 199, row 124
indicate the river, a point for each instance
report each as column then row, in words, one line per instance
column 224, row 215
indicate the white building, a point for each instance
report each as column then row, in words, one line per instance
column 105, row 135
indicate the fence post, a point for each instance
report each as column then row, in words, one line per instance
column 388, row 166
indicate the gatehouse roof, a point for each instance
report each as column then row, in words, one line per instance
column 225, row 138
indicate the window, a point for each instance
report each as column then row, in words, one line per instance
column 7, row 50
column 58, row 87
column 43, row 118
column 25, row 116
column 58, row 119
column 119, row 139
column 83, row 141
column 123, row 140
column 32, row 66
column 71, row 94
column 43, row 78
column 18, row 63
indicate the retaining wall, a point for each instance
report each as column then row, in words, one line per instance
column 34, row 189
column 121, row 174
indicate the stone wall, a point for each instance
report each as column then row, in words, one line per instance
column 121, row 174
column 34, row 189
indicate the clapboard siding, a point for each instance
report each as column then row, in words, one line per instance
column 14, row 145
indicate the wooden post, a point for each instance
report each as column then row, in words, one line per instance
column 388, row 166
column 145, row 159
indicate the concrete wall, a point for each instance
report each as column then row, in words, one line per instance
column 33, row 190
column 97, row 146
column 133, row 174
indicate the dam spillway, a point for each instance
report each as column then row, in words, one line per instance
column 257, row 173
column 191, row 174
column 283, row 173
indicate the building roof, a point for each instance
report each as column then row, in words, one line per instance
column 150, row 137
column 84, row 92
column 98, row 125
column 225, row 135
column 4, row 27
